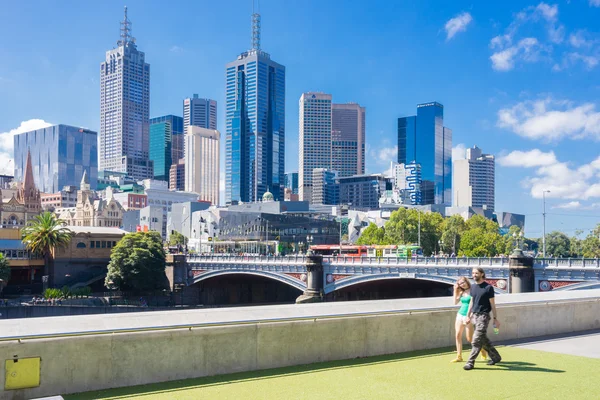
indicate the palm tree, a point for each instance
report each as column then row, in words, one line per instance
column 43, row 235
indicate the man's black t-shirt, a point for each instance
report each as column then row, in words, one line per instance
column 482, row 293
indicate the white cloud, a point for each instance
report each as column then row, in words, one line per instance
column 387, row 154
column 527, row 159
column 572, row 205
column 459, row 152
column 457, row 24
column 7, row 143
column 528, row 49
column 176, row 49
column 559, row 178
column 548, row 12
column 581, row 38
column 595, row 3
column 551, row 120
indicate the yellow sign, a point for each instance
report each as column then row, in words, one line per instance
column 22, row 373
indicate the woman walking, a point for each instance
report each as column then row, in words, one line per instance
column 462, row 289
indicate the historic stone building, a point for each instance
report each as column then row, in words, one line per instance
column 17, row 210
column 91, row 210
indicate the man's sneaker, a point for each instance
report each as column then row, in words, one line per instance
column 468, row 367
column 492, row 362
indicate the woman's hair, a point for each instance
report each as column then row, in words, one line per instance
column 481, row 271
column 466, row 281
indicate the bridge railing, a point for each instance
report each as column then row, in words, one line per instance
column 224, row 258
column 567, row 262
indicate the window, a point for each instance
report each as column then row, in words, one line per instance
column 104, row 244
column 91, row 244
column 81, row 245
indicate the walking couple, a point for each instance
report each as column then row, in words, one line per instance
column 476, row 301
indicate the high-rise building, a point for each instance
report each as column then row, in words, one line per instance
column 363, row 191
column 177, row 175
column 291, row 182
column 474, row 180
column 326, row 188
column 59, row 154
column 199, row 112
column 255, row 124
column 314, row 139
column 424, row 140
column 348, row 139
column 202, row 163
column 166, row 144
column 125, row 108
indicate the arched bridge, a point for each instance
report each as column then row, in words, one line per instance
column 342, row 272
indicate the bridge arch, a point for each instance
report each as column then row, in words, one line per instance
column 283, row 278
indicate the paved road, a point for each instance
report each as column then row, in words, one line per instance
column 585, row 344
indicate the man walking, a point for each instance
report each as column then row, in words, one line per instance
column 482, row 302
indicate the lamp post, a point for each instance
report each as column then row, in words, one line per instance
column 440, row 243
column 294, row 236
column 544, row 223
column 309, row 240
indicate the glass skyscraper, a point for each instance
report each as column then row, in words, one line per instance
column 124, row 108
column 166, row 144
column 423, row 139
column 199, row 112
column 255, row 124
column 59, row 156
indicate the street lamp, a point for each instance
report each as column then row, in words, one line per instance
column 544, row 223
column 440, row 243
column 309, row 240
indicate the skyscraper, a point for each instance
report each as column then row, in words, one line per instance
column 424, row 140
column 314, row 139
column 255, row 124
column 166, row 144
column 124, row 108
column 291, row 181
column 474, row 180
column 348, row 139
column 199, row 112
column 60, row 154
column 202, row 163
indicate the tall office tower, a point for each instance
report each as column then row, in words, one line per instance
column 326, row 187
column 202, row 163
column 314, row 139
column 177, row 175
column 166, row 144
column 124, row 108
column 255, row 124
column 291, row 182
column 348, row 139
column 424, row 139
column 60, row 154
column 199, row 112
column 474, row 180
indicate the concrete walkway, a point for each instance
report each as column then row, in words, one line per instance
column 584, row 344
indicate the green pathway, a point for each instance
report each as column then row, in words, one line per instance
column 523, row 374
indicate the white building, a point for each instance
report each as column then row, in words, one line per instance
column 202, row 163
column 158, row 194
column 314, row 139
column 153, row 219
column 474, row 180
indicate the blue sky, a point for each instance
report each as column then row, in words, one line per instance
column 518, row 79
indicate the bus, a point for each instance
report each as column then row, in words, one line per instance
column 334, row 250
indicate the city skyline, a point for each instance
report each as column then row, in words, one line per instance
column 501, row 101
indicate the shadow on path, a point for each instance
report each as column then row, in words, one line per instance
column 518, row 366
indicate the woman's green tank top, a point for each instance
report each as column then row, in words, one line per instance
column 465, row 299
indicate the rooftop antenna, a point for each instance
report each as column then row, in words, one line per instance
column 255, row 26
column 126, row 37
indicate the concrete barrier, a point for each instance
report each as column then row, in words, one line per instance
column 110, row 353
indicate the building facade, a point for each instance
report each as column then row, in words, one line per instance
column 125, row 108
column 314, row 139
column 326, row 188
column 348, row 139
column 66, row 198
column 199, row 112
column 424, row 140
column 24, row 204
column 166, row 144
column 59, row 155
column 363, row 191
column 291, row 181
column 202, row 163
column 177, row 175
column 255, row 124
column 475, row 180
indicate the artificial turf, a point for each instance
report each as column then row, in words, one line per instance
column 523, row 374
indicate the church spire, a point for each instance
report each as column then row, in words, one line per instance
column 28, row 183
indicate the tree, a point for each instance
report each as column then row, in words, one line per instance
column 590, row 246
column 403, row 228
column 177, row 239
column 4, row 272
column 137, row 263
column 371, row 235
column 452, row 229
column 557, row 244
column 481, row 239
column 44, row 234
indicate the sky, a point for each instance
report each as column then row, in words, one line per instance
column 519, row 79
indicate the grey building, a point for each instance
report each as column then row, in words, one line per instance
column 152, row 219
column 199, row 112
column 364, row 191
column 348, row 139
column 326, row 187
column 131, row 220
column 59, row 156
column 180, row 216
column 474, row 180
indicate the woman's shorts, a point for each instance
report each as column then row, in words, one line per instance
column 463, row 319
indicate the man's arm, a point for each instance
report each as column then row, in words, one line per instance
column 493, row 303
column 469, row 315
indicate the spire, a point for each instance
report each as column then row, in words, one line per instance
column 126, row 37
column 255, row 28
column 85, row 182
column 28, row 182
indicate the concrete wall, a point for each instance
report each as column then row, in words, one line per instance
column 75, row 364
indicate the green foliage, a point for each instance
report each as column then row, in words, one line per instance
column 51, row 293
column 46, row 233
column 4, row 268
column 372, row 235
column 66, row 292
column 452, row 230
column 177, row 239
column 557, row 244
column 137, row 262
